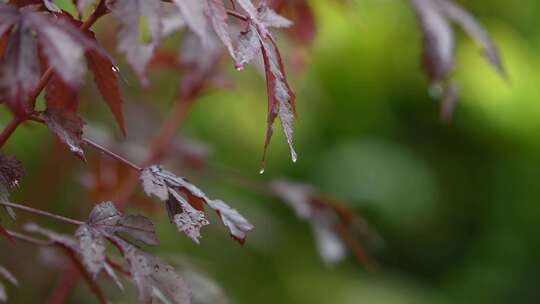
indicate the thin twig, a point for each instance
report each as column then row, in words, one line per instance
column 28, row 239
column 110, row 153
column 43, row 213
column 9, row 129
column 237, row 15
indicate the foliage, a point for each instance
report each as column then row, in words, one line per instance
column 44, row 48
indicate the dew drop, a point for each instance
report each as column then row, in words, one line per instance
column 261, row 171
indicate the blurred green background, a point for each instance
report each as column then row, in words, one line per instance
column 456, row 205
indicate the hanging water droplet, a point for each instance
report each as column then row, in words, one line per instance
column 261, row 172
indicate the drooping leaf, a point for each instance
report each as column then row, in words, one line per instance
column 438, row 53
column 435, row 18
column 151, row 276
column 281, row 99
column 469, row 24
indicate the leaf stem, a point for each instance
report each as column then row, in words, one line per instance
column 28, row 239
column 110, row 153
column 9, row 129
column 237, row 15
column 43, row 213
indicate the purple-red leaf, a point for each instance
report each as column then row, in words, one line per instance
column 133, row 16
column 61, row 42
column 188, row 214
column 153, row 277
column 435, row 18
column 67, row 126
column 217, row 12
column 108, row 220
column 11, row 171
column 106, row 79
column 238, row 225
column 193, row 13
column 71, row 247
column 19, row 69
column 438, row 53
column 281, row 99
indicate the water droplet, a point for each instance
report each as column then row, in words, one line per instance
column 115, row 69
column 294, row 157
column 261, row 171
column 239, row 67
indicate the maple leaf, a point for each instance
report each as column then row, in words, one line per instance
column 62, row 43
column 193, row 13
column 19, row 71
column 11, row 171
column 329, row 223
column 6, row 275
column 106, row 79
column 67, row 126
column 188, row 215
column 153, row 277
column 217, row 12
column 138, row 18
column 202, row 60
column 104, row 221
column 281, row 99
column 435, row 18
column 232, row 219
column 60, row 95
column 72, row 249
